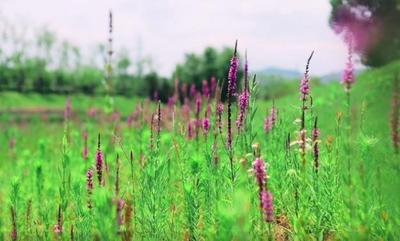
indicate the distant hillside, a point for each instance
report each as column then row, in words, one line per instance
column 279, row 72
column 335, row 76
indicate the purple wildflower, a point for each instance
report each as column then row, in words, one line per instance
column 206, row 125
column 267, row 124
column 305, row 82
column 348, row 75
column 268, row 206
column 266, row 199
column 243, row 105
column 232, row 79
column 270, row 120
column 89, row 186
column 99, row 162
column 198, row 109
column 259, row 171
column 232, row 75
column 120, row 218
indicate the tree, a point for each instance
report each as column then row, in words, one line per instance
column 373, row 26
column 199, row 67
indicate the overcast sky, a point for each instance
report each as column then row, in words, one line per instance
column 278, row 33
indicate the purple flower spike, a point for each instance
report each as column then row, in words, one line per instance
column 268, row 206
column 206, row 125
column 259, row 170
column 232, row 79
column 305, row 82
column 233, row 70
column 99, row 162
column 348, row 78
column 243, row 105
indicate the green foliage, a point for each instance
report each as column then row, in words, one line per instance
column 211, row 63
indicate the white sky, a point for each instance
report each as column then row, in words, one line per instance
column 278, row 33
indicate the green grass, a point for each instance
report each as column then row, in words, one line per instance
column 180, row 192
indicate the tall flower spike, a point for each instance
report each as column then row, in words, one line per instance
column 259, row 171
column 89, row 186
column 305, row 82
column 120, row 218
column 232, row 79
column 206, row 124
column 244, row 97
column 348, row 78
column 99, row 161
column 268, row 206
column 233, row 69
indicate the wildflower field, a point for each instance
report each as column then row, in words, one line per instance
column 318, row 165
column 204, row 159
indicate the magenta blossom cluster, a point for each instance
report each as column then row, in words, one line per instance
column 232, row 79
column 232, row 76
column 270, row 120
column 99, row 162
column 305, row 81
column 243, row 106
column 206, row 125
column 266, row 199
column 305, row 87
column 348, row 78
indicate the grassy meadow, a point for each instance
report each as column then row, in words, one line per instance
column 165, row 174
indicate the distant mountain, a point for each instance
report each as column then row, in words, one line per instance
column 337, row 76
column 280, row 72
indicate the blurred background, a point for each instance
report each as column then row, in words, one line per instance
column 61, row 47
